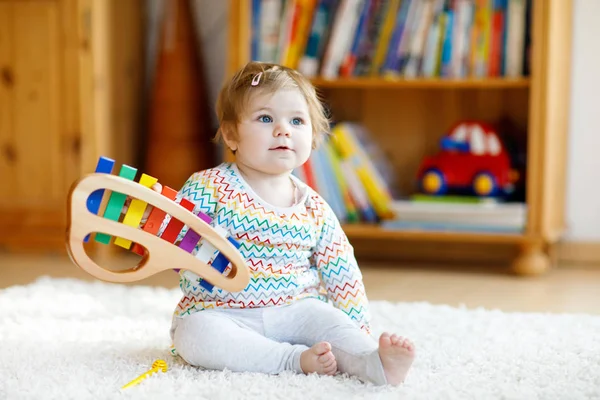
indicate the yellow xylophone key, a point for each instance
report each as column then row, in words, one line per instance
column 134, row 214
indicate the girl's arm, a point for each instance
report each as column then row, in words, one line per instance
column 201, row 189
column 334, row 258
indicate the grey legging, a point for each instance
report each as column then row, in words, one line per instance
column 271, row 339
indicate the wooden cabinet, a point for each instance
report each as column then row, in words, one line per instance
column 407, row 118
column 70, row 79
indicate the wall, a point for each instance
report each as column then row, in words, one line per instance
column 211, row 23
column 583, row 191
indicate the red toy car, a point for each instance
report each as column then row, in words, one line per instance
column 472, row 158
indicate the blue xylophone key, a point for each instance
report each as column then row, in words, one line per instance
column 220, row 263
column 105, row 166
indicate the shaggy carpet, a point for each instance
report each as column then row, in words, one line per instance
column 68, row 339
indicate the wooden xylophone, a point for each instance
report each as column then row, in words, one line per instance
column 86, row 219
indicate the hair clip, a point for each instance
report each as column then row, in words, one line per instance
column 256, row 79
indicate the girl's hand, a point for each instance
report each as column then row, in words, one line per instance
column 157, row 187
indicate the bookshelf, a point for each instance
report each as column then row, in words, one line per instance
column 408, row 116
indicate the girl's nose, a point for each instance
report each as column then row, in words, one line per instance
column 282, row 130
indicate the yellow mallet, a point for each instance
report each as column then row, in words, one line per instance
column 156, row 366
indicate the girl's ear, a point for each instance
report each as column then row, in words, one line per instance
column 229, row 136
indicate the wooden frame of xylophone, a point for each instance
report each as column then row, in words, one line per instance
column 84, row 219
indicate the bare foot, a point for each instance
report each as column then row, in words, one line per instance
column 319, row 359
column 396, row 355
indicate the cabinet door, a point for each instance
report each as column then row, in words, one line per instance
column 32, row 121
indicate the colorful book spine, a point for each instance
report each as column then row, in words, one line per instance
column 270, row 17
column 446, row 57
column 385, row 36
column 393, row 61
column 395, row 38
column 349, row 62
column 368, row 43
column 255, row 31
column 331, row 191
column 351, row 152
column 344, row 26
column 338, row 178
column 318, row 37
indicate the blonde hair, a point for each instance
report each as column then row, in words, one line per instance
column 259, row 77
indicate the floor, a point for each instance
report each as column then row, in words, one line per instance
column 564, row 289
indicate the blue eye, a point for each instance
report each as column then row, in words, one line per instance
column 297, row 121
column 265, row 118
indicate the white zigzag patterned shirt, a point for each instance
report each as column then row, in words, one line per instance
column 292, row 253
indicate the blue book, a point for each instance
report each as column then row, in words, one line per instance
column 446, row 60
column 393, row 59
column 255, row 39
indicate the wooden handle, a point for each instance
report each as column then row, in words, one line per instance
column 161, row 255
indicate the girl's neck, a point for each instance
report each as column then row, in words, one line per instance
column 277, row 190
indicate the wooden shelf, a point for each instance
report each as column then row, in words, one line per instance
column 429, row 83
column 375, row 232
column 409, row 116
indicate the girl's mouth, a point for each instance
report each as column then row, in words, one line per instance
column 281, row 148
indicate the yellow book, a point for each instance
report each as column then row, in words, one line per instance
column 480, row 39
column 384, row 37
column 349, row 149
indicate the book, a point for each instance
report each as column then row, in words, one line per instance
column 394, row 38
column 489, row 215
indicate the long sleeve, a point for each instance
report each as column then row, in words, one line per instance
column 201, row 189
column 334, row 258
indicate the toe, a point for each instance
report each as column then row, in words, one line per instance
column 329, row 364
column 330, row 369
column 326, row 358
column 385, row 340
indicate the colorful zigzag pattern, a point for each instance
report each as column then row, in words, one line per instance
column 292, row 253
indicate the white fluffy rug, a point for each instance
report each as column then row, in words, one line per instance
column 67, row 339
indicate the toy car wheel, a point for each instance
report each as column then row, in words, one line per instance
column 433, row 182
column 484, row 184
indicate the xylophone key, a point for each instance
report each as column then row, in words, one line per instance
column 134, row 214
column 105, row 166
column 205, row 253
column 219, row 263
column 175, row 226
column 155, row 219
column 116, row 202
column 191, row 238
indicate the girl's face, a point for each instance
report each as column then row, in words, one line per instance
column 275, row 134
